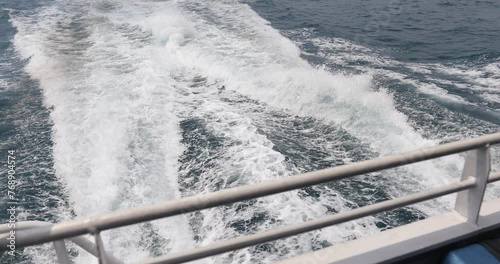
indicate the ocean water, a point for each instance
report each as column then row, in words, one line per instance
column 117, row 104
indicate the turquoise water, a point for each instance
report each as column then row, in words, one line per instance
column 116, row 104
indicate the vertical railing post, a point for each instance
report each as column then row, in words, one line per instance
column 477, row 165
column 101, row 253
column 61, row 252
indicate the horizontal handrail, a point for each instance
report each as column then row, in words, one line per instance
column 80, row 241
column 200, row 202
column 295, row 229
column 494, row 176
column 220, row 247
column 416, row 240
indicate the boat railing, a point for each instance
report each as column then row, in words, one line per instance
column 471, row 188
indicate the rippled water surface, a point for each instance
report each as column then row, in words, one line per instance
column 118, row 104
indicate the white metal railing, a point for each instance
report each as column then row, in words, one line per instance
column 59, row 245
column 471, row 189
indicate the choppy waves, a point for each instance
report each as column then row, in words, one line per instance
column 152, row 101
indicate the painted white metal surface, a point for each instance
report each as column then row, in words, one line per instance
column 477, row 165
column 405, row 241
column 274, row 234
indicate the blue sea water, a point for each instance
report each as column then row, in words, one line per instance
column 117, row 104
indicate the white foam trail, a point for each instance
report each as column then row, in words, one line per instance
column 117, row 138
column 340, row 52
column 116, row 104
column 115, row 132
column 240, row 49
column 484, row 79
column 251, row 159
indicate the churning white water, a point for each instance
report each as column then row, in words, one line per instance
column 125, row 79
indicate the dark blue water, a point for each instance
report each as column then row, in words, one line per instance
column 113, row 104
column 25, row 127
column 460, row 34
column 422, row 31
